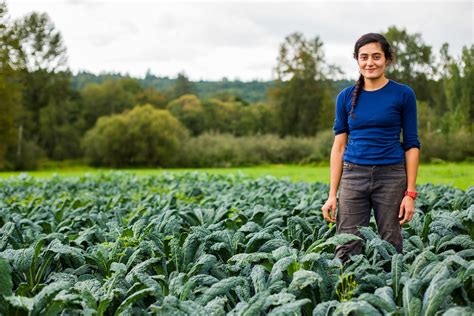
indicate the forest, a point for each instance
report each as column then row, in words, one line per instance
column 49, row 113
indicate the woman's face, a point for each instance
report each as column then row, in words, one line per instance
column 372, row 61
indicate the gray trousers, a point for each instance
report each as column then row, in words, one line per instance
column 367, row 187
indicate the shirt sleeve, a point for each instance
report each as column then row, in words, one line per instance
column 409, row 121
column 340, row 122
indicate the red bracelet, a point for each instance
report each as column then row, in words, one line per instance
column 411, row 194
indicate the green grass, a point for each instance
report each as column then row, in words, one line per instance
column 459, row 175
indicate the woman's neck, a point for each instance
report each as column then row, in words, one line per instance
column 374, row 84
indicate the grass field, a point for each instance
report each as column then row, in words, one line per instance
column 459, row 175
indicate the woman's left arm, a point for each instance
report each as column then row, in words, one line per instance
column 412, row 157
column 407, row 207
column 411, row 146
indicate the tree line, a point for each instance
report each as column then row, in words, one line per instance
column 50, row 113
column 248, row 91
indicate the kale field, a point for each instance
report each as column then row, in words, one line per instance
column 202, row 244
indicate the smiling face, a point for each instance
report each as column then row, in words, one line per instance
column 371, row 60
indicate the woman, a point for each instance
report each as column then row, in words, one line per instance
column 378, row 171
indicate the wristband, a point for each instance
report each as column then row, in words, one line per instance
column 411, row 194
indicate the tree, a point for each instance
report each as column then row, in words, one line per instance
column 266, row 118
column 182, row 86
column 110, row 97
column 152, row 96
column 457, row 83
column 10, row 89
column 189, row 111
column 413, row 64
column 223, row 117
column 467, row 94
column 143, row 136
column 229, row 96
column 47, row 95
column 302, row 86
column 58, row 129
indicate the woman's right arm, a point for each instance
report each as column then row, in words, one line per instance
column 337, row 152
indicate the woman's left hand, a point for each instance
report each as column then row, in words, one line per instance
column 407, row 209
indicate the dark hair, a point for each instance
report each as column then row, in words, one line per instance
column 364, row 40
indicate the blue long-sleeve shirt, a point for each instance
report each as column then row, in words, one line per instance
column 374, row 135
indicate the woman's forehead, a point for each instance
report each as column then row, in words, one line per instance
column 370, row 49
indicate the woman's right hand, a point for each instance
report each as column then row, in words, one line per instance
column 329, row 209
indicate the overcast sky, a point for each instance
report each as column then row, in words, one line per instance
column 210, row 40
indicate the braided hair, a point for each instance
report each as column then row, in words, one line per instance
column 364, row 40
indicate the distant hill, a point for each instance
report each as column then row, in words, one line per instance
column 250, row 91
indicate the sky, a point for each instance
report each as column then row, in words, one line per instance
column 210, row 40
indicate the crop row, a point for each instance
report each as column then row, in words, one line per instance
column 200, row 244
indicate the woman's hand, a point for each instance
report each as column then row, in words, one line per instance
column 331, row 204
column 407, row 209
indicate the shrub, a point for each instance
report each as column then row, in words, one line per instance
column 322, row 147
column 225, row 150
column 143, row 136
column 31, row 156
column 454, row 146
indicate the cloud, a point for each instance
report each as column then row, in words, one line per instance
column 212, row 40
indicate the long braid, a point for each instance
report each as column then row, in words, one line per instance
column 355, row 94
